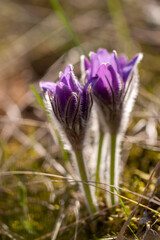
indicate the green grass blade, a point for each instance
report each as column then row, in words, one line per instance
column 127, row 213
column 41, row 103
column 62, row 16
column 101, row 138
column 38, row 97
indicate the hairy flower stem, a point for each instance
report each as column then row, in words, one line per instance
column 97, row 179
column 112, row 166
column 83, row 175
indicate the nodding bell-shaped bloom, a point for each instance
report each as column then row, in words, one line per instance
column 71, row 104
column 114, row 83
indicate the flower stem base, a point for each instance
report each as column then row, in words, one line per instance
column 84, row 177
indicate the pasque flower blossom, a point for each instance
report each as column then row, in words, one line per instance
column 114, row 84
column 71, row 105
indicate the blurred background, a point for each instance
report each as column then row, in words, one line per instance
column 38, row 38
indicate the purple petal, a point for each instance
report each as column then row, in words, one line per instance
column 63, row 93
column 122, row 61
column 114, row 62
column 101, row 87
column 115, row 82
column 71, row 108
column 72, row 83
column 108, row 86
column 47, row 86
column 95, row 63
column 75, row 86
column 86, row 102
column 103, row 55
column 85, row 68
column 70, row 80
column 128, row 67
column 86, row 63
column 68, row 69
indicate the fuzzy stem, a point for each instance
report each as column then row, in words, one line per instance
column 112, row 165
column 83, row 176
column 101, row 137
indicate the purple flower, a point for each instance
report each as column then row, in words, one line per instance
column 71, row 104
column 114, row 83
